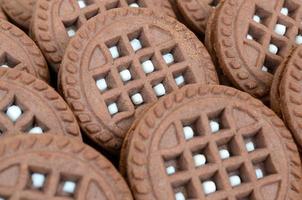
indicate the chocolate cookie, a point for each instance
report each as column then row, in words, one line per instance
column 55, row 22
column 196, row 13
column 56, row 167
column 290, row 94
column 29, row 105
column 124, row 60
column 19, row 11
column 252, row 37
column 211, row 142
column 18, row 51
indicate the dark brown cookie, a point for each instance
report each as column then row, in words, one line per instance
column 18, row 51
column 124, row 60
column 55, row 22
column 290, row 94
column 29, row 105
column 211, row 142
column 251, row 39
column 56, row 167
column 19, row 11
column 196, row 13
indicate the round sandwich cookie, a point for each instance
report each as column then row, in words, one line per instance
column 211, row 142
column 56, row 167
column 289, row 94
column 121, row 62
column 28, row 105
column 251, row 38
column 19, row 11
column 196, row 13
column 18, row 51
column 56, row 21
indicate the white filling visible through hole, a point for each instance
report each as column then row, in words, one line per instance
column 188, row 132
column 273, row 49
column 101, row 84
column 136, row 44
column 134, row 5
column 299, row 39
column 250, row 146
column 180, row 196
column 209, row 187
column 169, row 58
column 112, row 108
column 137, row 99
column 159, row 89
column 215, row 126
column 259, row 173
column 14, row 112
column 256, row 18
column 36, row 130
column 170, row 170
column 224, row 154
column 284, row 11
column 199, row 160
column 125, row 75
column 69, row 187
column 148, row 66
column 38, row 180
column 114, row 52
column 264, row 68
column 82, row 3
column 235, row 180
column 71, row 31
column 249, row 37
column 180, row 80
column 280, row 29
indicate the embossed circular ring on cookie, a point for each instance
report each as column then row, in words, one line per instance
column 290, row 94
column 19, row 11
column 196, row 13
column 56, row 167
column 18, row 51
column 252, row 37
column 124, row 60
column 29, row 105
column 211, row 142
column 56, row 21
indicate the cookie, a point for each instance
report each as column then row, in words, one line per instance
column 53, row 30
column 18, row 51
column 28, row 105
column 196, row 13
column 56, row 167
column 211, row 142
column 252, row 38
column 113, row 68
column 290, row 95
column 2, row 15
column 19, row 11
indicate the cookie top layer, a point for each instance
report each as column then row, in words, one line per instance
column 196, row 13
column 19, row 11
column 18, row 51
column 123, row 61
column 291, row 94
column 231, row 147
column 55, row 22
column 56, row 167
column 2, row 15
column 252, row 39
column 29, row 105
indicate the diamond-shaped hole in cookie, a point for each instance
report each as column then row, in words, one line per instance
column 14, row 110
column 277, row 46
column 284, row 28
column 84, row 3
column 261, row 16
column 214, row 3
column 138, row 96
column 68, row 185
column 138, row 40
column 202, row 155
column 113, row 4
column 255, row 33
column 172, row 55
column 270, row 65
column 35, row 126
column 136, row 3
column 71, row 27
column 227, row 148
column 184, row 190
column 290, row 8
column 105, row 82
column 238, row 174
column 116, row 105
column 192, row 128
column 37, row 179
column 217, row 121
column 254, row 141
column 183, row 77
column 128, row 73
column 116, row 48
column 174, row 164
column 161, row 87
column 264, row 167
column 8, row 61
column 150, row 64
column 211, row 183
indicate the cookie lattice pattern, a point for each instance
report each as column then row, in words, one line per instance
column 275, row 32
column 214, row 160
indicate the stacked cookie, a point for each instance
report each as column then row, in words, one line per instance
column 96, row 82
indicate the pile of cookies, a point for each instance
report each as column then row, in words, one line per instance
column 151, row 99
